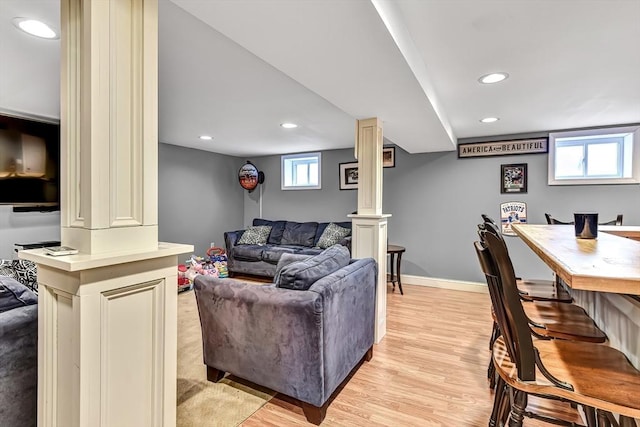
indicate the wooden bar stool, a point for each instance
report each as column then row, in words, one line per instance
column 394, row 250
column 536, row 289
column 598, row 377
column 548, row 318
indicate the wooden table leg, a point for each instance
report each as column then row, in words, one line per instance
column 398, row 272
column 393, row 277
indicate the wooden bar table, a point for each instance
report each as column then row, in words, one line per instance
column 607, row 264
column 603, row 274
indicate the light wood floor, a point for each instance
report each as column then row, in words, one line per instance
column 429, row 370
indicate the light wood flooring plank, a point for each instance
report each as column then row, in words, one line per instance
column 429, row 370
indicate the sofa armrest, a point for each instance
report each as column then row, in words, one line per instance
column 230, row 241
column 349, row 301
column 267, row 335
column 231, row 238
column 346, row 242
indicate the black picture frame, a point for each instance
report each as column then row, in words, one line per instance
column 389, row 157
column 348, row 176
column 513, row 178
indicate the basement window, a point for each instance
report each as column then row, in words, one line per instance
column 301, row 171
column 595, row 156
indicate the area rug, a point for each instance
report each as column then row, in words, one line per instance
column 202, row 403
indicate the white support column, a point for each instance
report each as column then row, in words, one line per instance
column 370, row 224
column 107, row 325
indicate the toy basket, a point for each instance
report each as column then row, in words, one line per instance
column 218, row 257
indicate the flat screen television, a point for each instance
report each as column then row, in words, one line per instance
column 29, row 163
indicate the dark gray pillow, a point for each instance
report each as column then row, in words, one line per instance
column 277, row 228
column 257, row 235
column 14, row 294
column 300, row 275
column 299, row 233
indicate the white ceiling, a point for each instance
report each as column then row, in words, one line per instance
column 242, row 67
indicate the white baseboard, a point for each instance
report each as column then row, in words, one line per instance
column 456, row 285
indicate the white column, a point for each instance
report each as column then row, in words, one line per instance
column 107, row 316
column 370, row 224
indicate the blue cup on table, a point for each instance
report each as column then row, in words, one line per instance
column 586, row 225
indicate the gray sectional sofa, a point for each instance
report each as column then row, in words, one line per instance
column 300, row 336
column 18, row 354
column 285, row 237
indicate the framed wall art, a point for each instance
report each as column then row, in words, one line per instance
column 513, row 178
column 389, row 157
column 512, row 213
column 349, row 176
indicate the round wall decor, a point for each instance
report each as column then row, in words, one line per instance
column 248, row 176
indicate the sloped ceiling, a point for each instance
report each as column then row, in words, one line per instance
column 237, row 69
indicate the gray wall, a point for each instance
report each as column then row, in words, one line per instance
column 198, row 196
column 327, row 204
column 436, row 200
column 26, row 227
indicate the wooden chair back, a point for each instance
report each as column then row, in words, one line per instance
column 617, row 221
column 487, row 218
column 512, row 320
column 551, row 220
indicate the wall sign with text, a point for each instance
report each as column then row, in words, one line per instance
column 512, row 213
column 503, row 148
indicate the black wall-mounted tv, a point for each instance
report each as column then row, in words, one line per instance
column 29, row 163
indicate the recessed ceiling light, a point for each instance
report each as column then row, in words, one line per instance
column 289, row 125
column 35, row 28
column 493, row 78
column 489, row 119
column 206, row 137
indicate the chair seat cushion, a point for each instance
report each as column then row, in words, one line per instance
column 301, row 275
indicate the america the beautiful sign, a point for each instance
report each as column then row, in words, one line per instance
column 512, row 213
column 503, row 148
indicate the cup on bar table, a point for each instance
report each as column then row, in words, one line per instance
column 586, row 225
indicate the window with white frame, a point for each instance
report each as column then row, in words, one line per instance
column 301, row 171
column 595, row 156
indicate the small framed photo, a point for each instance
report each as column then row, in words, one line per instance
column 389, row 157
column 349, row 176
column 513, row 178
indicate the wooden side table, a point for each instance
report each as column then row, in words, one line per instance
column 394, row 250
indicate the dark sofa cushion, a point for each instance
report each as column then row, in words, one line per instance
column 249, row 252
column 13, row 294
column 272, row 254
column 323, row 225
column 299, row 233
column 301, row 275
column 277, row 228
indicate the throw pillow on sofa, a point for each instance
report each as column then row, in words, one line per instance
column 14, row 294
column 257, row 235
column 25, row 272
column 332, row 235
column 300, row 275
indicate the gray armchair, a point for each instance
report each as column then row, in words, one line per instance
column 299, row 343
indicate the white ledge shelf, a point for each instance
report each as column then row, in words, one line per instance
column 81, row 261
